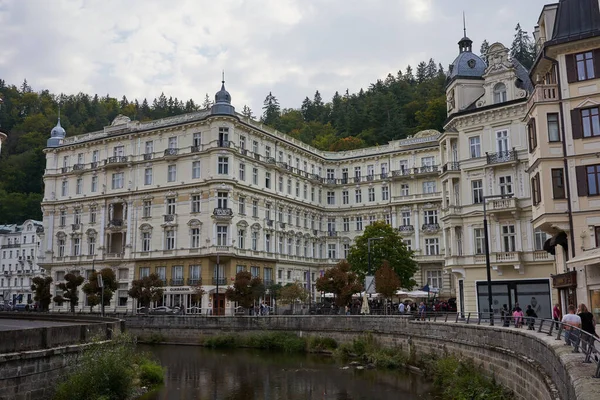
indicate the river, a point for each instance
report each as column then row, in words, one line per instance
column 200, row 373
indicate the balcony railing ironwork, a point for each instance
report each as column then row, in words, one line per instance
column 451, row 166
column 116, row 160
column 116, row 222
column 220, row 280
column 169, row 217
column 223, row 143
column 176, row 282
column 431, row 227
column 501, row 156
column 194, row 281
column 78, row 167
column 171, row 152
column 406, row 228
column 222, row 212
column 147, row 156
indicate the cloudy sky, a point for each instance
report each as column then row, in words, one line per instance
column 140, row 48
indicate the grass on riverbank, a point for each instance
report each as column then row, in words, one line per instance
column 275, row 341
column 110, row 371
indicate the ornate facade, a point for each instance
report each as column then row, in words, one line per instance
column 198, row 197
column 564, row 144
column 484, row 158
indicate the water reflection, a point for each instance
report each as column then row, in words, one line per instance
column 198, row 373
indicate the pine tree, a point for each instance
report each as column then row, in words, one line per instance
column 247, row 112
column 483, row 50
column 431, row 71
column 522, row 48
column 207, row 102
column 421, row 71
column 271, row 110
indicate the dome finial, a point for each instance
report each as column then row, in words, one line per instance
column 464, row 26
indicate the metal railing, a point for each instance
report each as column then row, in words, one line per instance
column 581, row 341
column 501, row 156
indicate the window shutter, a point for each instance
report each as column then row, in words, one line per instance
column 582, row 187
column 576, row 125
column 571, row 68
column 597, row 63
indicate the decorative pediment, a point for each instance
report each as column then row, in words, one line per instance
column 146, row 228
column 148, row 197
column 194, row 223
column 170, row 193
column 61, row 235
column 587, row 103
column 91, row 233
column 116, row 200
column 242, row 224
column 255, row 226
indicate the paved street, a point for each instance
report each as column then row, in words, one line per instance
column 16, row 324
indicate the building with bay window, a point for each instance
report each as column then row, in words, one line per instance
column 564, row 146
column 484, row 153
column 198, row 197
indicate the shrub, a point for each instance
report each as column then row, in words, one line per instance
column 221, row 342
column 151, row 374
column 107, row 371
column 318, row 343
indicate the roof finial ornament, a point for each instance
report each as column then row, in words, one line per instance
column 223, row 76
column 464, row 25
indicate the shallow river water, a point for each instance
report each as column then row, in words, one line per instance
column 200, row 373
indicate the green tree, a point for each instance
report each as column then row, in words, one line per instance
column 247, row 112
column 94, row 292
column 293, row 293
column 41, row 291
column 146, row 290
column 340, row 281
column 386, row 281
column 271, row 110
column 244, row 290
column 390, row 248
column 207, row 103
column 522, row 48
column 483, row 50
column 70, row 289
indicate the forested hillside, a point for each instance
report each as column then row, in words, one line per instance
column 391, row 108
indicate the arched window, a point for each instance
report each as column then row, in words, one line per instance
column 499, row 93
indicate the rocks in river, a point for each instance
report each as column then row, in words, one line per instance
column 354, row 363
column 345, row 367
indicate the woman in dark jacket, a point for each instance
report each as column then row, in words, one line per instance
column 588, row 325
column 530, row 313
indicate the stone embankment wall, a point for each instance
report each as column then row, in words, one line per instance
column 533, row 365
column 33, row 360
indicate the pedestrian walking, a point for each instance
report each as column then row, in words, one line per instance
column 401, row 308
column 505, row 315
column 571, row 321
column 518, row 317
column 588, row 325
column 530, row 312
column 557, row 314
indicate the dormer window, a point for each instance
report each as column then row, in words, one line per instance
column 499, row 93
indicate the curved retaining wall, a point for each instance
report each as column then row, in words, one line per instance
column 534, row 366
column 33, row 360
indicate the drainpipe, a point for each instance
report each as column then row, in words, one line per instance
column 564, row 146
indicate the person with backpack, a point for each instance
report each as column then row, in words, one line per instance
column 530, row 312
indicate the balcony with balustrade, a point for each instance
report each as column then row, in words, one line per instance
column 116, row 161
column 502, row 206
column 426, row 170
column 176, row 282
column 502, row 157
column 401, row 173
column 78, row 168
column 450, row 168
column 542, row 94
column 115, row 224
column 430, row 228
column 171, row 154
column 222, row 213
column 406, row 229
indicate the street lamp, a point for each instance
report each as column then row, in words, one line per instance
column 487, row 250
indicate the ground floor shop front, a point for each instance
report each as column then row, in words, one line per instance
column 527, row 285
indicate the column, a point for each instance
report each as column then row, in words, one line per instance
column 102, row 226
column 417, row 229
column 449, row 247
column 128, row 207
column 50, row 233
column 394, row 213
column 519, row 244
column 498, row 238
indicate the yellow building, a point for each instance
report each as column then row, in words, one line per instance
column 564, row 145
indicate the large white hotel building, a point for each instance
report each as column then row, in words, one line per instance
column 198, row 197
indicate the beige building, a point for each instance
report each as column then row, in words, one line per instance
column 484, row 153
column 198, row 197
column 564, row 145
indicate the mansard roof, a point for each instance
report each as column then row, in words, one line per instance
column 576, row 20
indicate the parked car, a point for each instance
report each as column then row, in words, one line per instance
column 164, row 310
column 20, row 307
column 143, row 310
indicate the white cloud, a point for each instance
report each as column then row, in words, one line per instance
column 141, row 48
